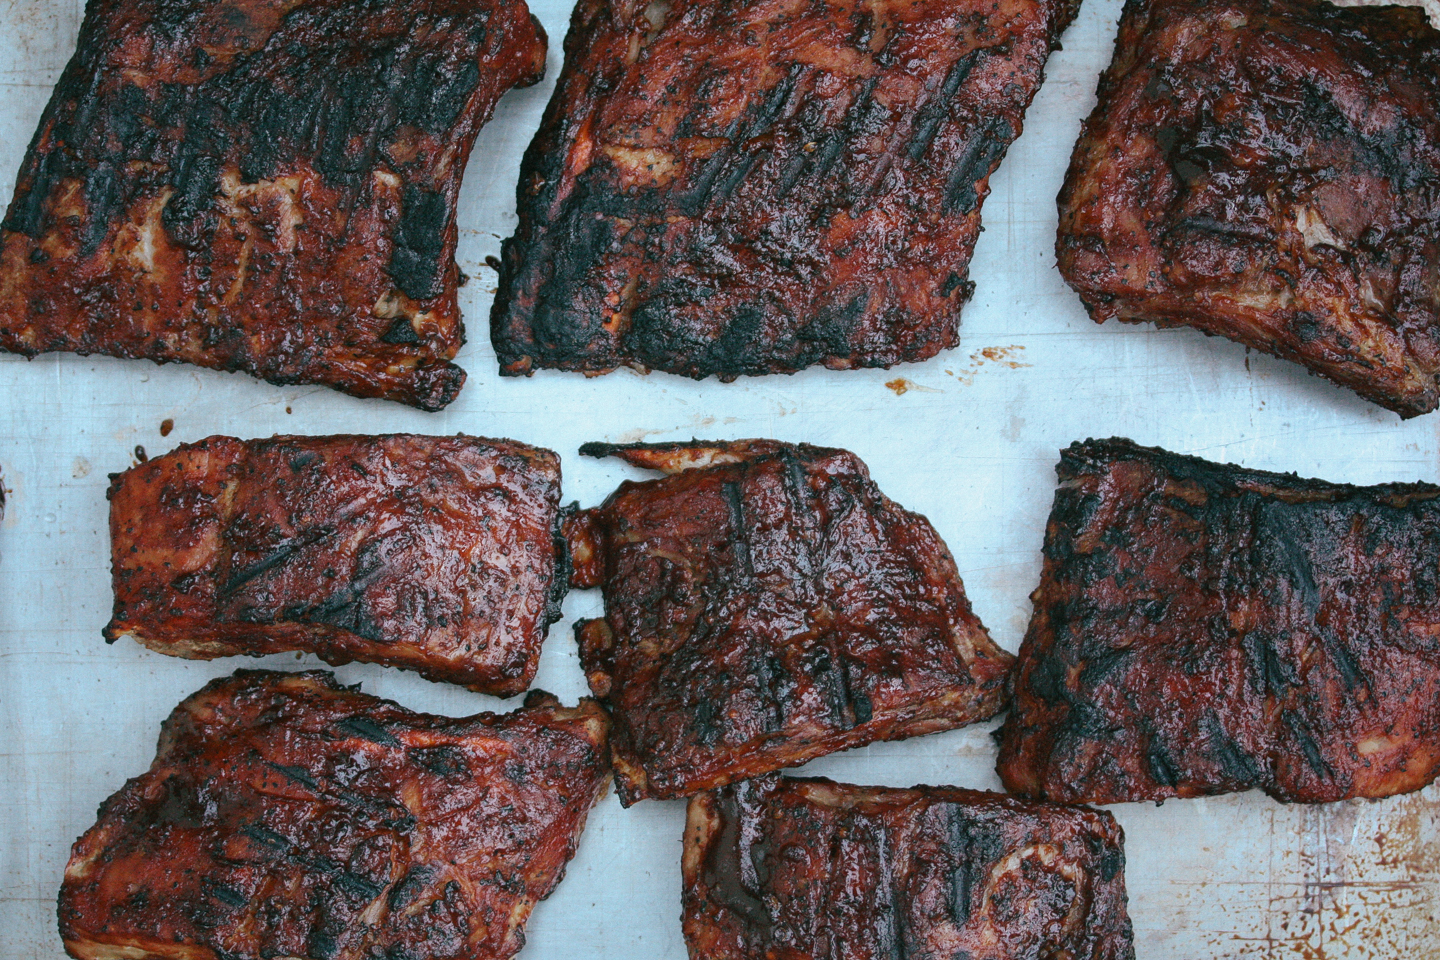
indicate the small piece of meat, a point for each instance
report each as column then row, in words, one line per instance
column 1201, row 628
column 435, row 554
column 1269, row 171
column 261, row 185
column 722, row 188
column 815, row 870
column 766, row 604
column 286, row 815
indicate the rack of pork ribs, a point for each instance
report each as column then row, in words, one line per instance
column 1202, row 628
column 1269, row 171
column 436, row 554
column 261, row 185
column 286, row 815
column 726, row 189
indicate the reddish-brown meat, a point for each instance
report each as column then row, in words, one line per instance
column 288, row 816
column 1269, row 171
column 261, row 185
column 766, row 604
column 781, row 869
column 1200, row 628
column 436, row 554
column 723, row 187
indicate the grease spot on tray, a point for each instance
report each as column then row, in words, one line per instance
column 1009, row 356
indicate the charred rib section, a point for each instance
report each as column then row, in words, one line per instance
column 765, row 604
column 1268, row 171
column 1201, row 628
column 265, row 828
column 436, row 554
column 261, row 186
column 816, row 869
column 709, row 208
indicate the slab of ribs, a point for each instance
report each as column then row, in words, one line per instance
column 766, row 604
column 1202, row 628
column 436, row 554
column 1269, row 171
column 261, row 185
column 817, row 870
column 286, row 815
column 722, row 188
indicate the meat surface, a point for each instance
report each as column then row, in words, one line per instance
column 286, row 815
column 261, row 185
column 1269, row 171
column 766, row 604
column 815, row 870
column 722, row 188
column 435, row 554
column 1201, row 628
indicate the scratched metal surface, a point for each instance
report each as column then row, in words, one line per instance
column 969, row 439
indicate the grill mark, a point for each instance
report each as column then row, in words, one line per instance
column 1159, row 761
column 266, row 837
column 798, row 491
column 1351, row 673
column 276, row 558
column 982, row 152
column 1234, row 761
column 933, row 112
column 891, row 930
column 849, row 127
column 281, row 846
column 712, row 187
column 367, row 729
column 380, row 808
column 1307, row 744
column 227, row 895
column 774, row 686
column 962, row 875
column 735, row 502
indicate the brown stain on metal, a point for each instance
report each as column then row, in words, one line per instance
column 1008, row 356
column 1005, row 356
column 166, row 426
column 1367, row 885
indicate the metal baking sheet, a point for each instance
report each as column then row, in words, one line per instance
column 969, row 439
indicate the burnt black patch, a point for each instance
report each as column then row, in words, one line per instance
column 416, row 263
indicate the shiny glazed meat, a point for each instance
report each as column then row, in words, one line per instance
column 722, row 187
column 286, row 815
column 1269, row 171
column 765, row 604
column 261, row 185
column 782, row 869
column 436, row 554
column 1200, row 628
